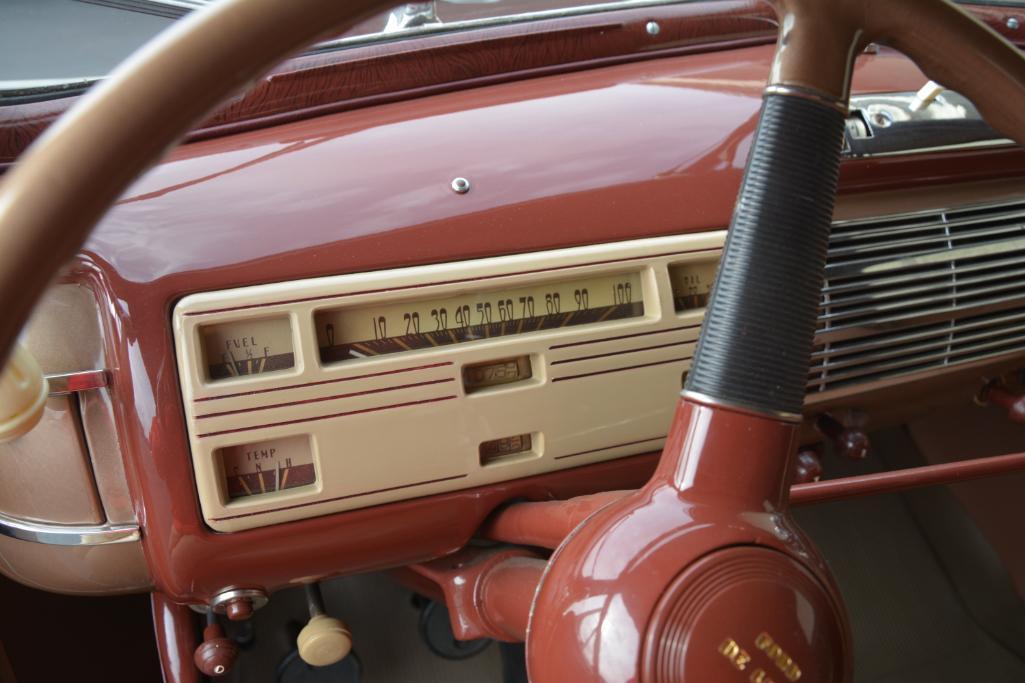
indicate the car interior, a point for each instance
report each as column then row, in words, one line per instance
column 640, row 341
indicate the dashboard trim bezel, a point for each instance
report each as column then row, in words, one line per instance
column 66, row 534
column 339, row 490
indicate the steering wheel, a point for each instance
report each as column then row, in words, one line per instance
column 704, row 565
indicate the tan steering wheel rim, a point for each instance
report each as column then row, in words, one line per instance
column 70, row 177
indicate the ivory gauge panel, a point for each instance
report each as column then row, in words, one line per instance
column 317, row 396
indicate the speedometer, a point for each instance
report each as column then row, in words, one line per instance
column 345, row 333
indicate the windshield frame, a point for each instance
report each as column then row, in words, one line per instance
column 485, row 22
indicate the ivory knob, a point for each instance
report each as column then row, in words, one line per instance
column 324, row 641
column 23, row 393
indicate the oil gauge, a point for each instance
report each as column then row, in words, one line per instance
column 692, row 284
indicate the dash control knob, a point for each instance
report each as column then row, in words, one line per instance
column 849, row 440
column 809, row 466
column 216, row 655
column 998, row 395
column 324, row 640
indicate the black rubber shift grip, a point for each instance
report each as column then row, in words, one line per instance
column 757, row 335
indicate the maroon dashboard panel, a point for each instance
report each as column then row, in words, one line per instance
column 361, row 76
column 628, row 151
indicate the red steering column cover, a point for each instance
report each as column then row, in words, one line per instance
column 621, row 591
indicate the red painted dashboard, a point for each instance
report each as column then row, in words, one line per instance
column 639, row 149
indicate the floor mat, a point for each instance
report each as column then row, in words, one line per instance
column 909, row 622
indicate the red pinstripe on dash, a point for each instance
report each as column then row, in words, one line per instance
column 620, row 353
column 623, row 336
column 326, row 417
column 346, row 497
column 609, row 448
column 628, row 367
column 339, row 295
column 321, row 399
column 325, row 381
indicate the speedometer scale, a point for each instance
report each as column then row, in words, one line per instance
column 345, row 334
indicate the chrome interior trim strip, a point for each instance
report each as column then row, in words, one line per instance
column 78, row 84
column 485, row 22
column 873, row 344
column 854, row 387
column 896, row 310
column 943, row 271
column 949, row 356
column 1010, row 204
column 895, row 323
column 873, row 266
column 74, row 382
column 978, row 144
column 45, row 87
column 59, row 534
column 930, row 284
column 219, row 603
column 924, row 241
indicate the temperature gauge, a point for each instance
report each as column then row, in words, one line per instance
column 247, row 347
column 692, row 284
column 264, row 467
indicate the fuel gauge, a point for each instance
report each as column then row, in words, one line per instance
column 264, row 467
column 247, row 347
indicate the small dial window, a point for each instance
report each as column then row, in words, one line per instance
column 692, row 284
column 263, row 467
column 247, row 347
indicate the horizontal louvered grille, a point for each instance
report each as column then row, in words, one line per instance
column 919, row 292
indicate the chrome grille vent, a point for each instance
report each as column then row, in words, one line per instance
column 911, row 293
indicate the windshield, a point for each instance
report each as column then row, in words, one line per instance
column 54, row 47
column 43, row 40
